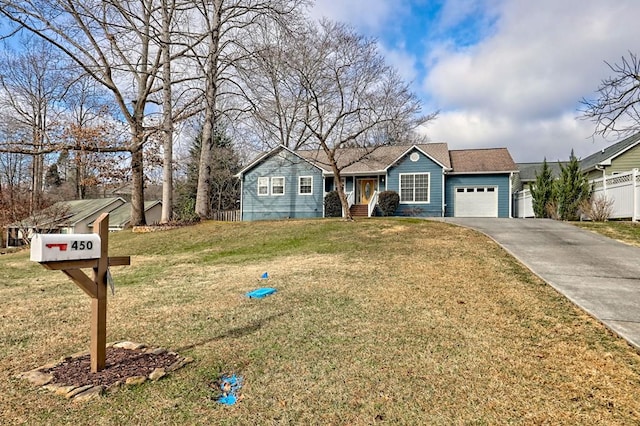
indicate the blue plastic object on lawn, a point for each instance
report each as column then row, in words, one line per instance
column 261, row 292
column 229, row 385
column 265, row 276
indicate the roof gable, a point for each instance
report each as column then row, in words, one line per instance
column 604, row 156
column 262, row 157
column 490, row 160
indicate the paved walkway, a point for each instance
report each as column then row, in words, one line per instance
column 599, row 274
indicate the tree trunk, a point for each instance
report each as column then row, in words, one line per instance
column 203, row 195
column 346, row 213
column 137, row 187
column 167, row 119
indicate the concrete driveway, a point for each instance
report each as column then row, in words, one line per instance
column 599, row 274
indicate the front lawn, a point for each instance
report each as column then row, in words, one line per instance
column 389, row 321
column 627, row 232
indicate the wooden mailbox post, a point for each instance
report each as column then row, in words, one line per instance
column 70, row 253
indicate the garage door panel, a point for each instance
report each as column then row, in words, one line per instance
column 476, row 202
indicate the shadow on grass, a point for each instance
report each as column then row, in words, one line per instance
column 234, row 333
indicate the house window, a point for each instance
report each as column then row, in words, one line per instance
column 277, row 186
column 305, row 185
column 263, row 186
column 414, row 188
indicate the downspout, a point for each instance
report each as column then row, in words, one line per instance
column 324, row 191
column 604, row 178
column 635, row 196
column 241, row 197
column 443, row 192
column 511, row 195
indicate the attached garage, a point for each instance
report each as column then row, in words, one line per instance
column 476, row 201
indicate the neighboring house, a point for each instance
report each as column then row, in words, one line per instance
column 430, row 179
column 527, row 173
column 618, row 158
column 120, row 218
column 63, row 217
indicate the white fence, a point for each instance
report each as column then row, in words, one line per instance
column 523, row 204
column 622, row 189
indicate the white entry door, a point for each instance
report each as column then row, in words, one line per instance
column 476, row 201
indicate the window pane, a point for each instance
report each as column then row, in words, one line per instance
column 406, row 188
column 263, row 186
column 277, row 186
column 306, row 183
column 422, row 188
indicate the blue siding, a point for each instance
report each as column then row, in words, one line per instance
column 500, row 181
column 291, row 204
column 330, row 184
column 423, row 165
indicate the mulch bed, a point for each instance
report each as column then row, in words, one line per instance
column 120, row 364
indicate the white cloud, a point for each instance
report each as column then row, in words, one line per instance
column 528, row 141
column 370, row 15
column 521, row 86
column 502, row 72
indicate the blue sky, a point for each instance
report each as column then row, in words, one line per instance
column 501, row 72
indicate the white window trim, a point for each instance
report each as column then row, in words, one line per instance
column 428, row 174
column 263, row 178
column 283, row 186
column 300, row 185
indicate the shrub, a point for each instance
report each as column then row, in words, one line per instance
column 598, row 209
column 542, row 191
column 571, row 189
column 332, row 205
column 388, row 202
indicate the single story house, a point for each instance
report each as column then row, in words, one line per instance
column 430, row 179
column 63, row 217
column 120, row 218
column 619, row 157
column 77, row 217
column 527, row 172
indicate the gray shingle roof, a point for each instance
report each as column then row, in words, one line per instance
column 69, row 213
column 362, row 160
column 608, row 153
column 528, row 170
column 482, row 160
column 121, row 216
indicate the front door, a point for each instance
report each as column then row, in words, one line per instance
column 366, row 188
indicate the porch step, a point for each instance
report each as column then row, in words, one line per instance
column 359, row 210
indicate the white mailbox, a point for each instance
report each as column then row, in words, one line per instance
column 54, row 247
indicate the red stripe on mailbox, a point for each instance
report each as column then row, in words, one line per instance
column 61, row 246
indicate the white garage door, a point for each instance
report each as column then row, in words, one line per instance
column 476, row 201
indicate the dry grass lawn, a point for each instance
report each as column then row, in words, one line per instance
column 374, row 322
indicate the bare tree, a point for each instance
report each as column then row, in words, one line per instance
column 275, row 97
column 227, row 25
column 617, row 106
column 33, row 84
column 111, row 41
column 351, row 98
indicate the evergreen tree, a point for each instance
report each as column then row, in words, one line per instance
column 542, row 191
column 571, row 189
column 225, row 188
column 52, row 178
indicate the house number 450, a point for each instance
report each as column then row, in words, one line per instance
column 82, row 245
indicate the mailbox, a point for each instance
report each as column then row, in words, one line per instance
column 55, row 247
